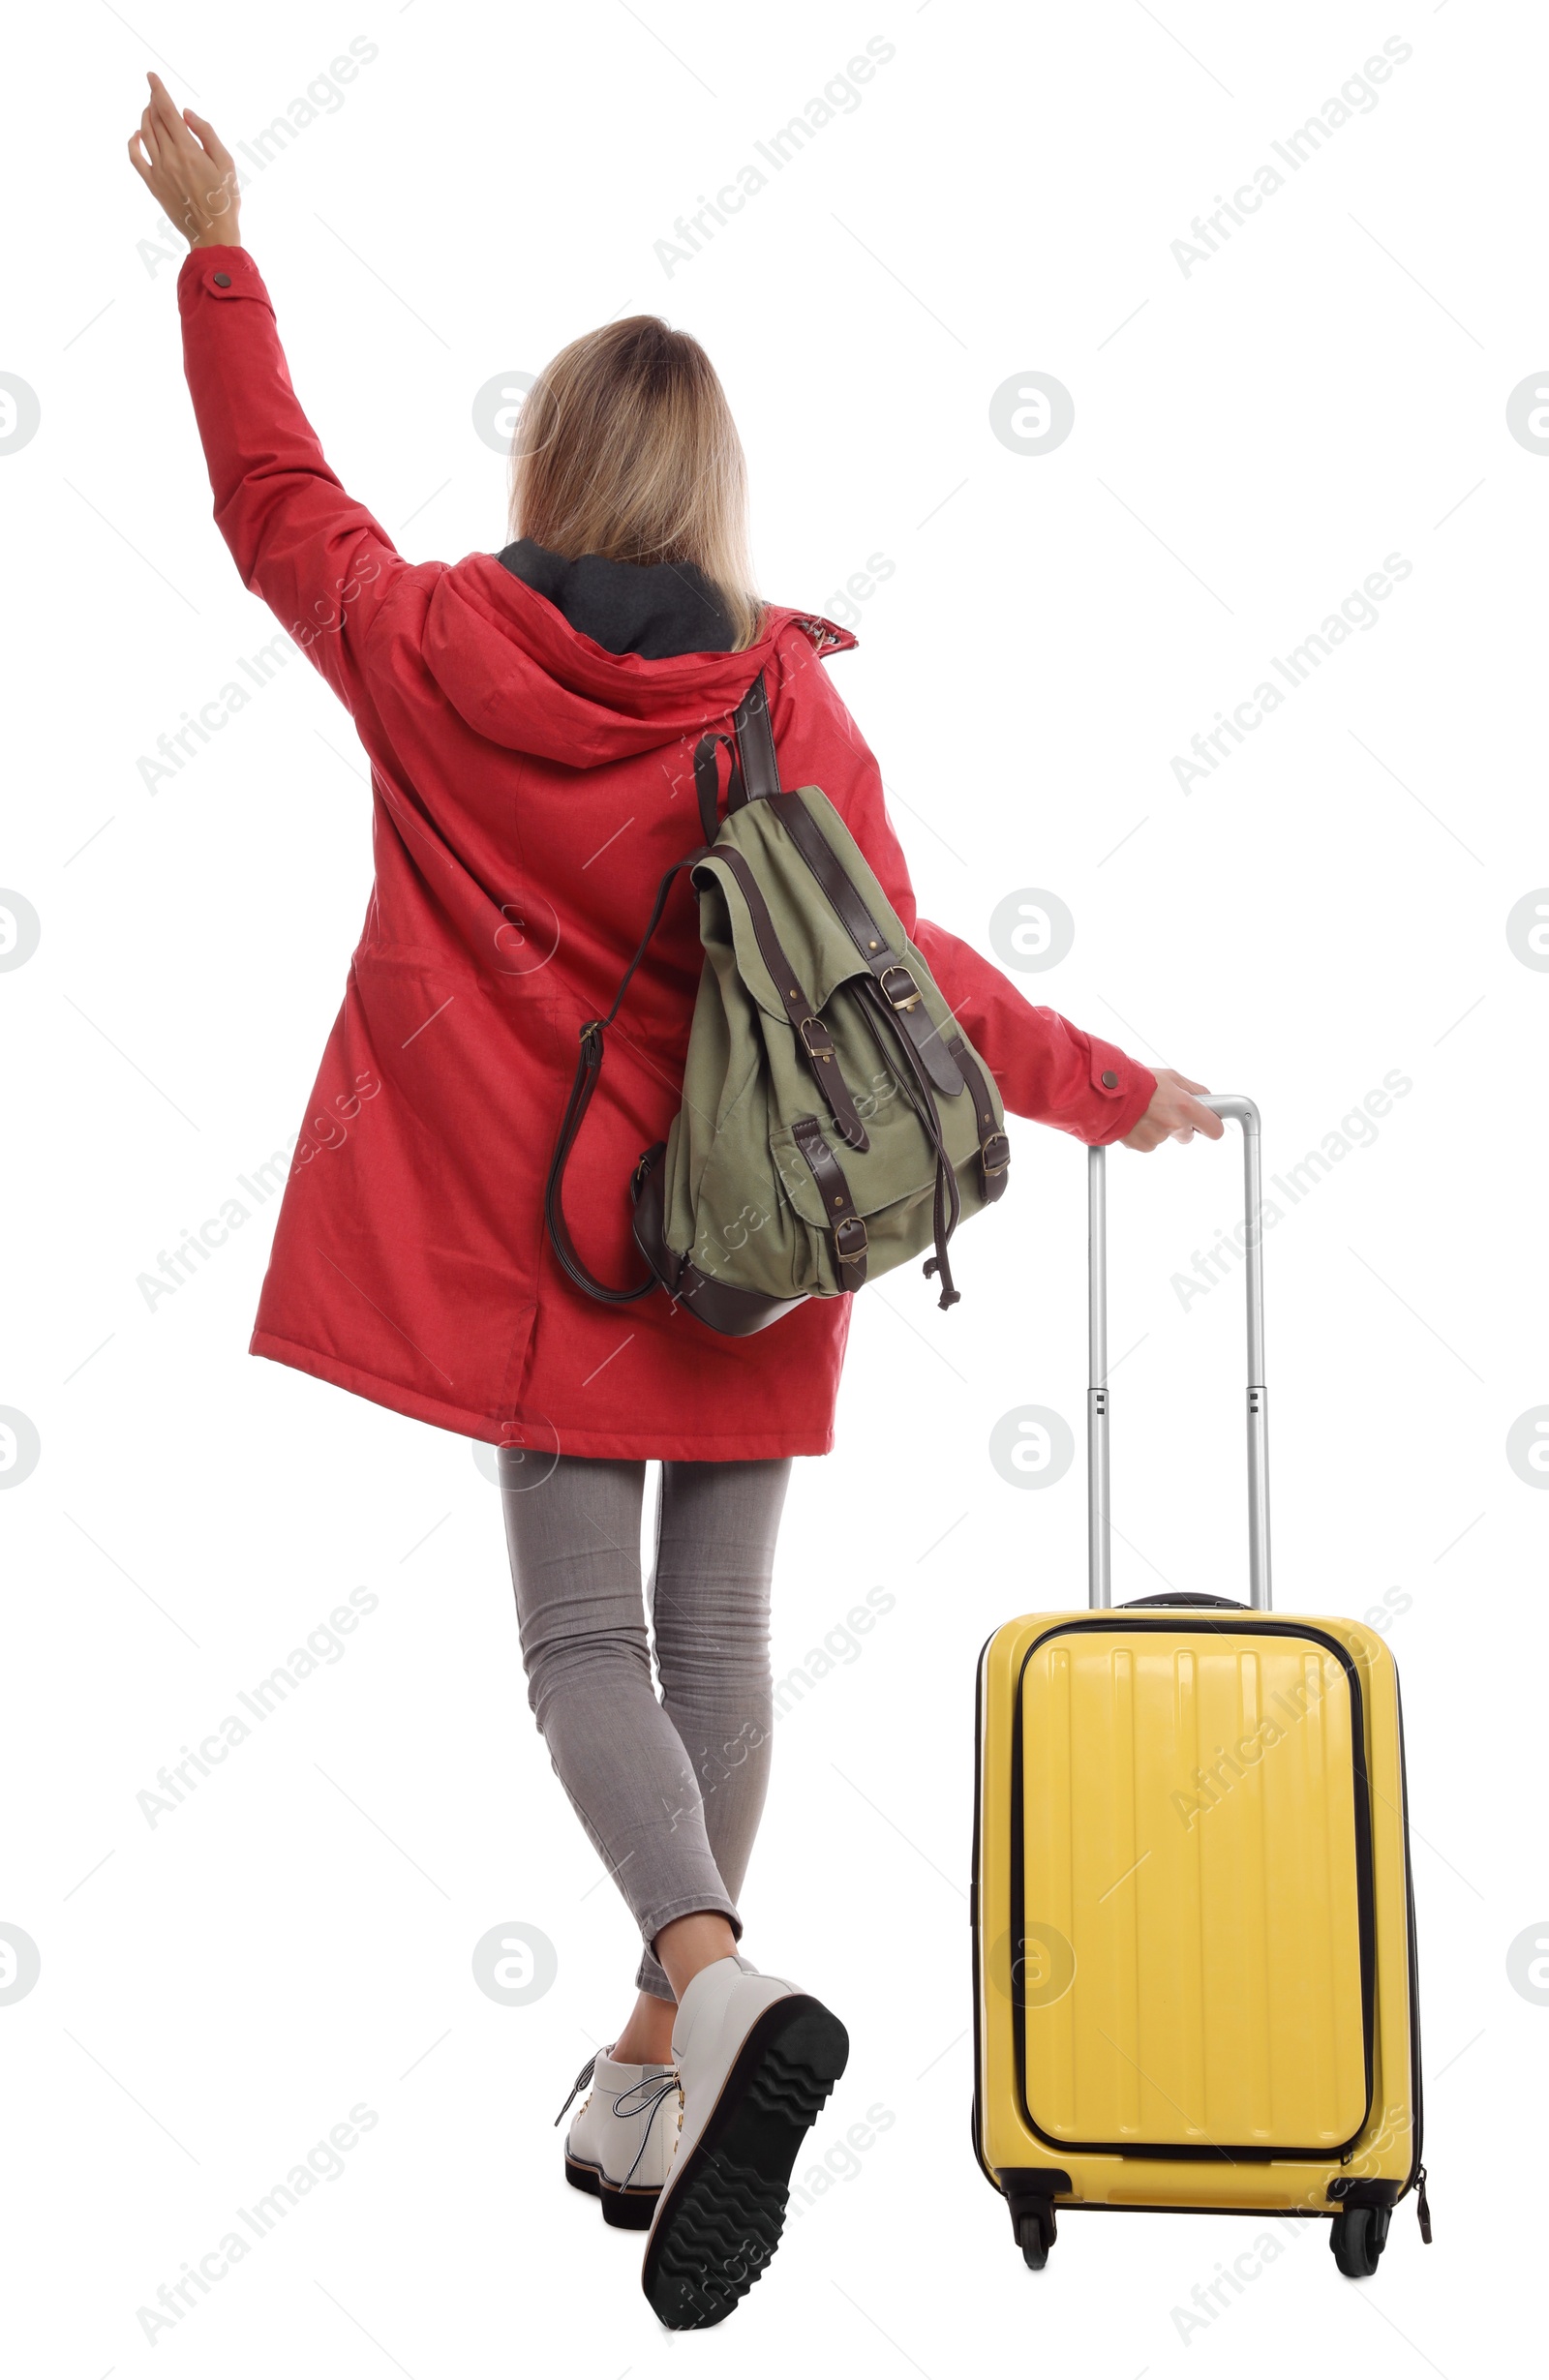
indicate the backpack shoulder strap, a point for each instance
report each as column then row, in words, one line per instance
column 754, row 771
column 755, row 747
column 707, row 782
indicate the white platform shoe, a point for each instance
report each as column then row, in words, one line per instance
column 623, row 2136
column 756, row 2058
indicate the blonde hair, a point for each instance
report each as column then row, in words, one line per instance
column 627, row 447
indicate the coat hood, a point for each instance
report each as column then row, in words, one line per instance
column 520, row 671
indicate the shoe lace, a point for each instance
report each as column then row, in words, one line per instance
column 656, row 2088
column 580, row 2084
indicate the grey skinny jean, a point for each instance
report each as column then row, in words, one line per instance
column 670, row 1788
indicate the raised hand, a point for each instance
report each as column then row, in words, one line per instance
column 186, row 169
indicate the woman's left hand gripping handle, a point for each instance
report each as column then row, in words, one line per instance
column 186, row 169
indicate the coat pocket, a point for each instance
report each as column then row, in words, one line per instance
column 447, row 1173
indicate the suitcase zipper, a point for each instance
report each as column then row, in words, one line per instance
column 1256, row 1622
column 1416, row 2181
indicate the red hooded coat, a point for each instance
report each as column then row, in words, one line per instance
column 530, row 788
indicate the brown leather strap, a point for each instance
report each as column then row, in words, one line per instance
column 707, row 783
column 814, row 1037
column 756, row 745
column 994, row 1148
column 588, row 1074
column 847, row 1226
column 898, row 986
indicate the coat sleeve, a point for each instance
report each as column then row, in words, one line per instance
column 1044, row 1066
column 318, row 558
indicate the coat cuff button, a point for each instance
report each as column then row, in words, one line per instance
column 1110, row 1081
column 223, row 280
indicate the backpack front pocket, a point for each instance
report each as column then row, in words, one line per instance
column 888, row 1189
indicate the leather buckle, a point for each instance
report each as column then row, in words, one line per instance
column 906, row 999
column 997, row 1141
column 851, row 1256
column 806, row 1043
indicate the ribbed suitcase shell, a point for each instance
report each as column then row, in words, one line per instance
column 1192, row 1826
column 1193, row 1920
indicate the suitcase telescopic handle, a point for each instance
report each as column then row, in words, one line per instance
column 1233, row 1107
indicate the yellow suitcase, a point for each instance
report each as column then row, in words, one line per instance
column 1194, row 1982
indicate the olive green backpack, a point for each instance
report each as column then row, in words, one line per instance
column 835, row 1120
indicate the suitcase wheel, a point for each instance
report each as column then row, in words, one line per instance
column 1359, row 2237
column 1035, row 2235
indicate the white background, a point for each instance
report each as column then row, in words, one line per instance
column 1330, row 389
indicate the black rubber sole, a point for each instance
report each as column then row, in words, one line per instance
column 626, row 2209
column 722, row 2212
